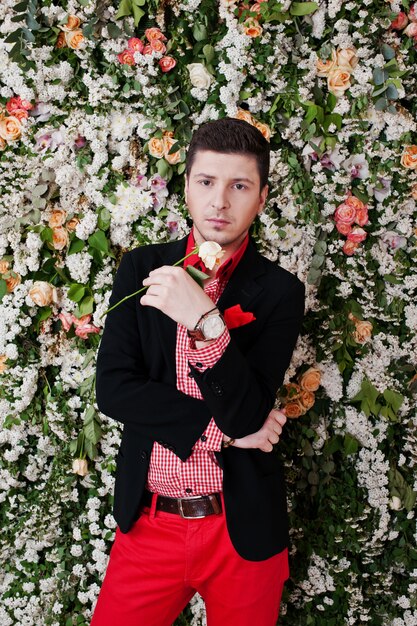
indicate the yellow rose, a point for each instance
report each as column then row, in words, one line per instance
column 310, row 380
column 363, row 331
column 175, row 157
column 59, row 238
column 245, row 116
column 252, row 28
column 156, row 147
column 347, row 59
column 80, row 467
column 324, row 67
column 42, row 293
column 12, row 281
column 73, row 23
column 74, row 39
column 264, row 129
column 3, row 366
column 10, row 128
column 210, row 253
column 408, row 158
column 338, row 81
column 57, row 218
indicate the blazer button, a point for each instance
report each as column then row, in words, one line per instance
column 217, row 389
column 143, row 455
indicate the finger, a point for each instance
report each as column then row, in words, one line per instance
column 273, row 438
column 278, row 416
column 267, row 447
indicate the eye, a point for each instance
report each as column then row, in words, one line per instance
column 239, row 186
column 205, row 182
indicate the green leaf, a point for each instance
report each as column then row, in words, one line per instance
column 138, row 13
column 20, row 7
column 388, row 52
column 3, row 288
column 333, row 118
column 104, row 219
column 331, row 102
column 199, row 32
column 163, row 168
column 394, row 399
column 114, row 30
column 99, row 241
column 196, row 274
column 45, row 312
column 320, row 247
column 86, row 306
column 14, row 36
column 381, row 104
column 76, row 246
column 313, row 276
column 46, row 234
column 76, row 292
column 350, row 444
column 303, row 8
column 208, row 52
column 392, row 92
column 379, row 75
column 125, row 9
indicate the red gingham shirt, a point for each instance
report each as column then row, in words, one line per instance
column 200, row 474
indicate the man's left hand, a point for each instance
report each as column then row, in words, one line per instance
column 175, row 293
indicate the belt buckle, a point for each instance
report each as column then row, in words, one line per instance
column 180, row 500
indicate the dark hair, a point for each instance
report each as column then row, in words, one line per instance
column 231, row 136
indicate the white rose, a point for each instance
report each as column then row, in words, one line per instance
column 42, row 293
column 395, row 503
column 80, row 467
column 210, row 253
column 199, row 76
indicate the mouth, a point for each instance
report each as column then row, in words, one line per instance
column 217, row 221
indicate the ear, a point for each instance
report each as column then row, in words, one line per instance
column 185, row 188
column 262, row 198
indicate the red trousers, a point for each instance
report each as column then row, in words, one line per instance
column 156, row 568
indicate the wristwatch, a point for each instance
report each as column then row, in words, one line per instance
column 210, row 326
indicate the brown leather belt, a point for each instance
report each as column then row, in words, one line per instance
column 189, row 508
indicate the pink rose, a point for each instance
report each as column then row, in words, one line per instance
column 343, row 228
column 350, row 247
column 158, row 46
column 167, row 63
column 126, row 57
column 147, row 49
column 412, row 14
column 400, row 21
column 362, row 216
column 357, row 235
column 17, row 104
column 345, row 213
column 83, row 328
column 66, row 319
column 154, row 33
column 411, row 29
column 135, row 44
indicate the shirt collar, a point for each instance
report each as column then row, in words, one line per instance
column 226, row 269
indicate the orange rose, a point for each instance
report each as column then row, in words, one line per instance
column 73, row 23
column 324, row 67
column 414, row 191
column 154, row 33
column 244, row 115
column 293, row 409
column 347, row 59
column 158, row 46
column 12, row 281
column 4, row 266
column 350, row 247
column 3, row 144
column 3, row 366
column 175, row 157
column 252, row 28
column 264, row 129
column 408, row 158
column 59, row 238
column 167, row 63
column 10, row 128
column 72, row 224
column 126, row 57
column 42, row 293
column 61, row 41
column 292, row 391
column 310, row 380
column 307, row 399
column 57, row 218
column 338, row 81
column 363, row 331
column 156, row 147
column 74, row 39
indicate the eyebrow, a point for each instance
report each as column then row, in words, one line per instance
column 235, row 180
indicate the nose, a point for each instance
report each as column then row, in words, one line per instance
column 220, row 198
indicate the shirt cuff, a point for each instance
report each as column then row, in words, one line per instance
column 207, row 357
column 211, row 439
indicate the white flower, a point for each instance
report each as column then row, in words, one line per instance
column 210, row 253
column 199, row 76
column 395, row 503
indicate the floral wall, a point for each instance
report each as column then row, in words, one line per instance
column 98, row 101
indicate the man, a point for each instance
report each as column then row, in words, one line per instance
column 199, row 498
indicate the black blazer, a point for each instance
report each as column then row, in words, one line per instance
column 136, row 385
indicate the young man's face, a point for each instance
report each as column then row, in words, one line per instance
column 223, row 196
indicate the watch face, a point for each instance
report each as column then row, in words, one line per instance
column 212, row 327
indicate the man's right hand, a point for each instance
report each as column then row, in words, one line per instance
column 265, row 438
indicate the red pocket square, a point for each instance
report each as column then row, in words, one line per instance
column 235, row 317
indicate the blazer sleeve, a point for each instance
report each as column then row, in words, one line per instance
column 240, row 389
column 124, row 390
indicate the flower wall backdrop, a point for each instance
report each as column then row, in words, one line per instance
column 98, row 101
